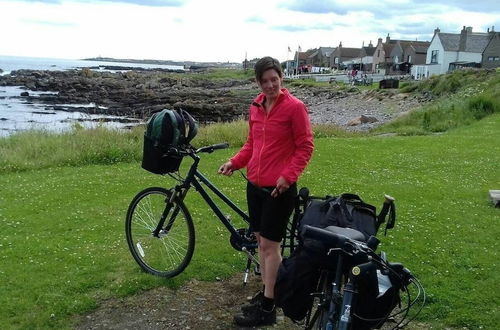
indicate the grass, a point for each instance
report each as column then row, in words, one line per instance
column 461, row 98
column 42, row 149
column 29, row 150
column 64, row 250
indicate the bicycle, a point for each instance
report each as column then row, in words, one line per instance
column 353, row 269
column 159, row 227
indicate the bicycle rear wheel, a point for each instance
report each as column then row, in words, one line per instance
column 168, row 254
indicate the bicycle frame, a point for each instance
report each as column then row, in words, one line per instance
column 195, row 178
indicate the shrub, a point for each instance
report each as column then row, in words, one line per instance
column 482, row 105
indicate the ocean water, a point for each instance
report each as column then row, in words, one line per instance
column 16, row 114
column 11, row 63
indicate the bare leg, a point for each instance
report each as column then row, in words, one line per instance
column 269, row 252
column 262, row 261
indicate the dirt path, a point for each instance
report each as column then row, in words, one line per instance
column 196, row 305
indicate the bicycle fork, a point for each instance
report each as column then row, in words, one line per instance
column 170, row 202
column 336, row 295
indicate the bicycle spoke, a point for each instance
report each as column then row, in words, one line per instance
column 168, row 254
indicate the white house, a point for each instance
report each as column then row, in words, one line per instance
column 448, row 51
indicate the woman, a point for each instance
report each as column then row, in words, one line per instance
column 278, row 148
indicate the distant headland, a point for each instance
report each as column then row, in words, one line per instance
column 185, row 64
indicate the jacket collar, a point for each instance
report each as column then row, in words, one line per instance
column 259, row 99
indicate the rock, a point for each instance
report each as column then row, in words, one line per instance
column 140, row 93
column 362, row 120
column 354, row 122
column 25, row 94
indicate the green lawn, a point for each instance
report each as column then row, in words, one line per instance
column 62, row 229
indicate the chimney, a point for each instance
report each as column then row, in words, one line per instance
column 370, row 44
column 379, row 42
column 466, row 31
column 340, row 45
column 387, row 39
column 436, row 30
column 363, row 44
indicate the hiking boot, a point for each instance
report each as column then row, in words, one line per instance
column 254, row 303
column 256, row 317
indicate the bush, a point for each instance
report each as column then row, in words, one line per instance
column 408, row 88
column 482, row 105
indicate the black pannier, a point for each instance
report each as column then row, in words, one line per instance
column 297, row 278
column 346, row 211
column 378, row 294
column 298, row 275
column 164, row 130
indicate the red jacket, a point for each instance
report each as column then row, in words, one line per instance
column 279, row 143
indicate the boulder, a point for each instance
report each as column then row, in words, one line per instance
column 362, row 120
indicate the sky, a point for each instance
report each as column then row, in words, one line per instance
column 224, row 30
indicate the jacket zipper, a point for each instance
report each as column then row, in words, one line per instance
column 262, row 147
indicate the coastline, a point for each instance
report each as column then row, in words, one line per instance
column 135, row 94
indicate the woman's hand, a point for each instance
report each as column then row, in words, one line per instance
column 281, row 186
column 226, row 169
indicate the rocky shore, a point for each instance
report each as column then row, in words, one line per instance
column 137, row 94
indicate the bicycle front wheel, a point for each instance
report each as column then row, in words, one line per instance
column 319, row 310
column 168, row 253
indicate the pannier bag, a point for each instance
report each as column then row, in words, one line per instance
column 164, row 130
column 346, row 210
column 297, row 279
column 378, row 294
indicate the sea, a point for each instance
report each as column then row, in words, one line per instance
column 16, row 114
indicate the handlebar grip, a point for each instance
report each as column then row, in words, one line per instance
column 304, row 193
column 213, row 147
column 220, row 146
column 331, row 239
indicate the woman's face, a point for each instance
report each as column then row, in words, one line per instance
column 270, row 83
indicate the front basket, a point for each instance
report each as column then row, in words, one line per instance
column 155, row 161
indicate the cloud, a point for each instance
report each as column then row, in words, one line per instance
column 153, row 3
column 49, row 23
column 255, row 19
column 467, row 5
column 316, row 6
column 302, row 28
column 150, row 3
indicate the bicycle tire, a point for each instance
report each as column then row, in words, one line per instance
column 170, row 253
column 320, row 314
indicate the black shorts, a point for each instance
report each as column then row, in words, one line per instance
column 269, row 215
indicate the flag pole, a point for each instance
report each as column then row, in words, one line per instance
column 297, row 63
column 287, row 61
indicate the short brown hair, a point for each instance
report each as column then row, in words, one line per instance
column 267, row 63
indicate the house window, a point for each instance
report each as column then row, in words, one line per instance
column 336, row 60
column 493, row 58
column 434, row 56
column 396, row 59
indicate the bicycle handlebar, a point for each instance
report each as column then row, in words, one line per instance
column 213, row 147
column 189, row 150
column 332, row 239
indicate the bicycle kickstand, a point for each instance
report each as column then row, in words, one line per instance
column 247, row 271
column 251, row 258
